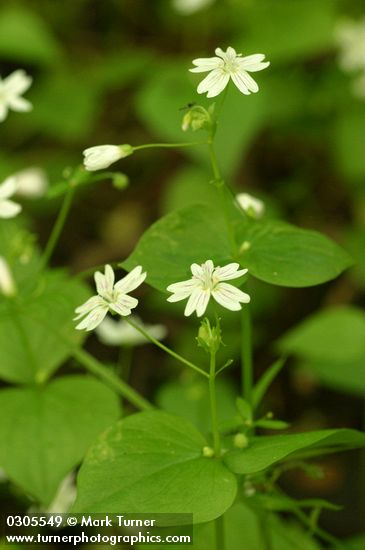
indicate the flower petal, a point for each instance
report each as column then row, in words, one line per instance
column 131, row 281
column 240, row 83
column 214, row 83
column 254, row 63
column 229, row 296
column 9, row 209
column 206, row 64
column 20, row 104
column 124, row 303
column 8, row 188
column 197, row 302
column 229, row 271
column 89, row 305
column 94, row 318
column 17, row 82
column 105, row 281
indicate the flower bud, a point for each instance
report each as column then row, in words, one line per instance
column 102, row 156
column 240, row 441
column 196, row 118
column 253, row 207
column 209, row 337
column 208, row 452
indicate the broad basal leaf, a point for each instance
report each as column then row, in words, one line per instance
column 153, row 463
column 46, row 430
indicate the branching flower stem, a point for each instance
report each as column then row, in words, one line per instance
column 213, row 405
column 166, row 349
column 168, row 145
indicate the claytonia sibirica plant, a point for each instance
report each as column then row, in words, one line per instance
column 229, row 65
column 162, row 458
column 8, row 208
column 111, row 297
column 11, row 89
column 31, row 183
column 209, row 281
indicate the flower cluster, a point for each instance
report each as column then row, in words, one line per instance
column 207, row 281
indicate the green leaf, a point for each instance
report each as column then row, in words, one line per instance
column 25, row 37
column 334, row 334
column 46, row 430
column 153, row 462
column 265, row 381
column 274, row 252
column 265, row 451
column 37, row 332
column 188, row 397
column 168, row 248
column 272, row 424
column 285, row 255
column 282, row 503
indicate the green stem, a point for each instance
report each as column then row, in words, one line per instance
column 265, row 531
column 220, row 187
column 246, row 354
column 166, row 349
column 219, row 533
column 58, row 226
column 93, row 366
column 213, row 406
column 169, row 145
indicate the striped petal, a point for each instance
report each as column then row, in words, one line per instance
column 93, row 319
column 230, row 297
column 214, row 83
column 131, row 281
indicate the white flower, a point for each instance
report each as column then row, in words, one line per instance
column 350, row 38
column 111, row 297
column 121, row 333
column 7, row 284
column 253, row 207
column 208, row 281
column 11, row 88
column 187, row 7
column 31, row 182
column 102, row 156
column 228, row 65
column 8, row 208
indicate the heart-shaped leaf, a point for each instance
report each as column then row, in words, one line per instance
column 46, row 430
